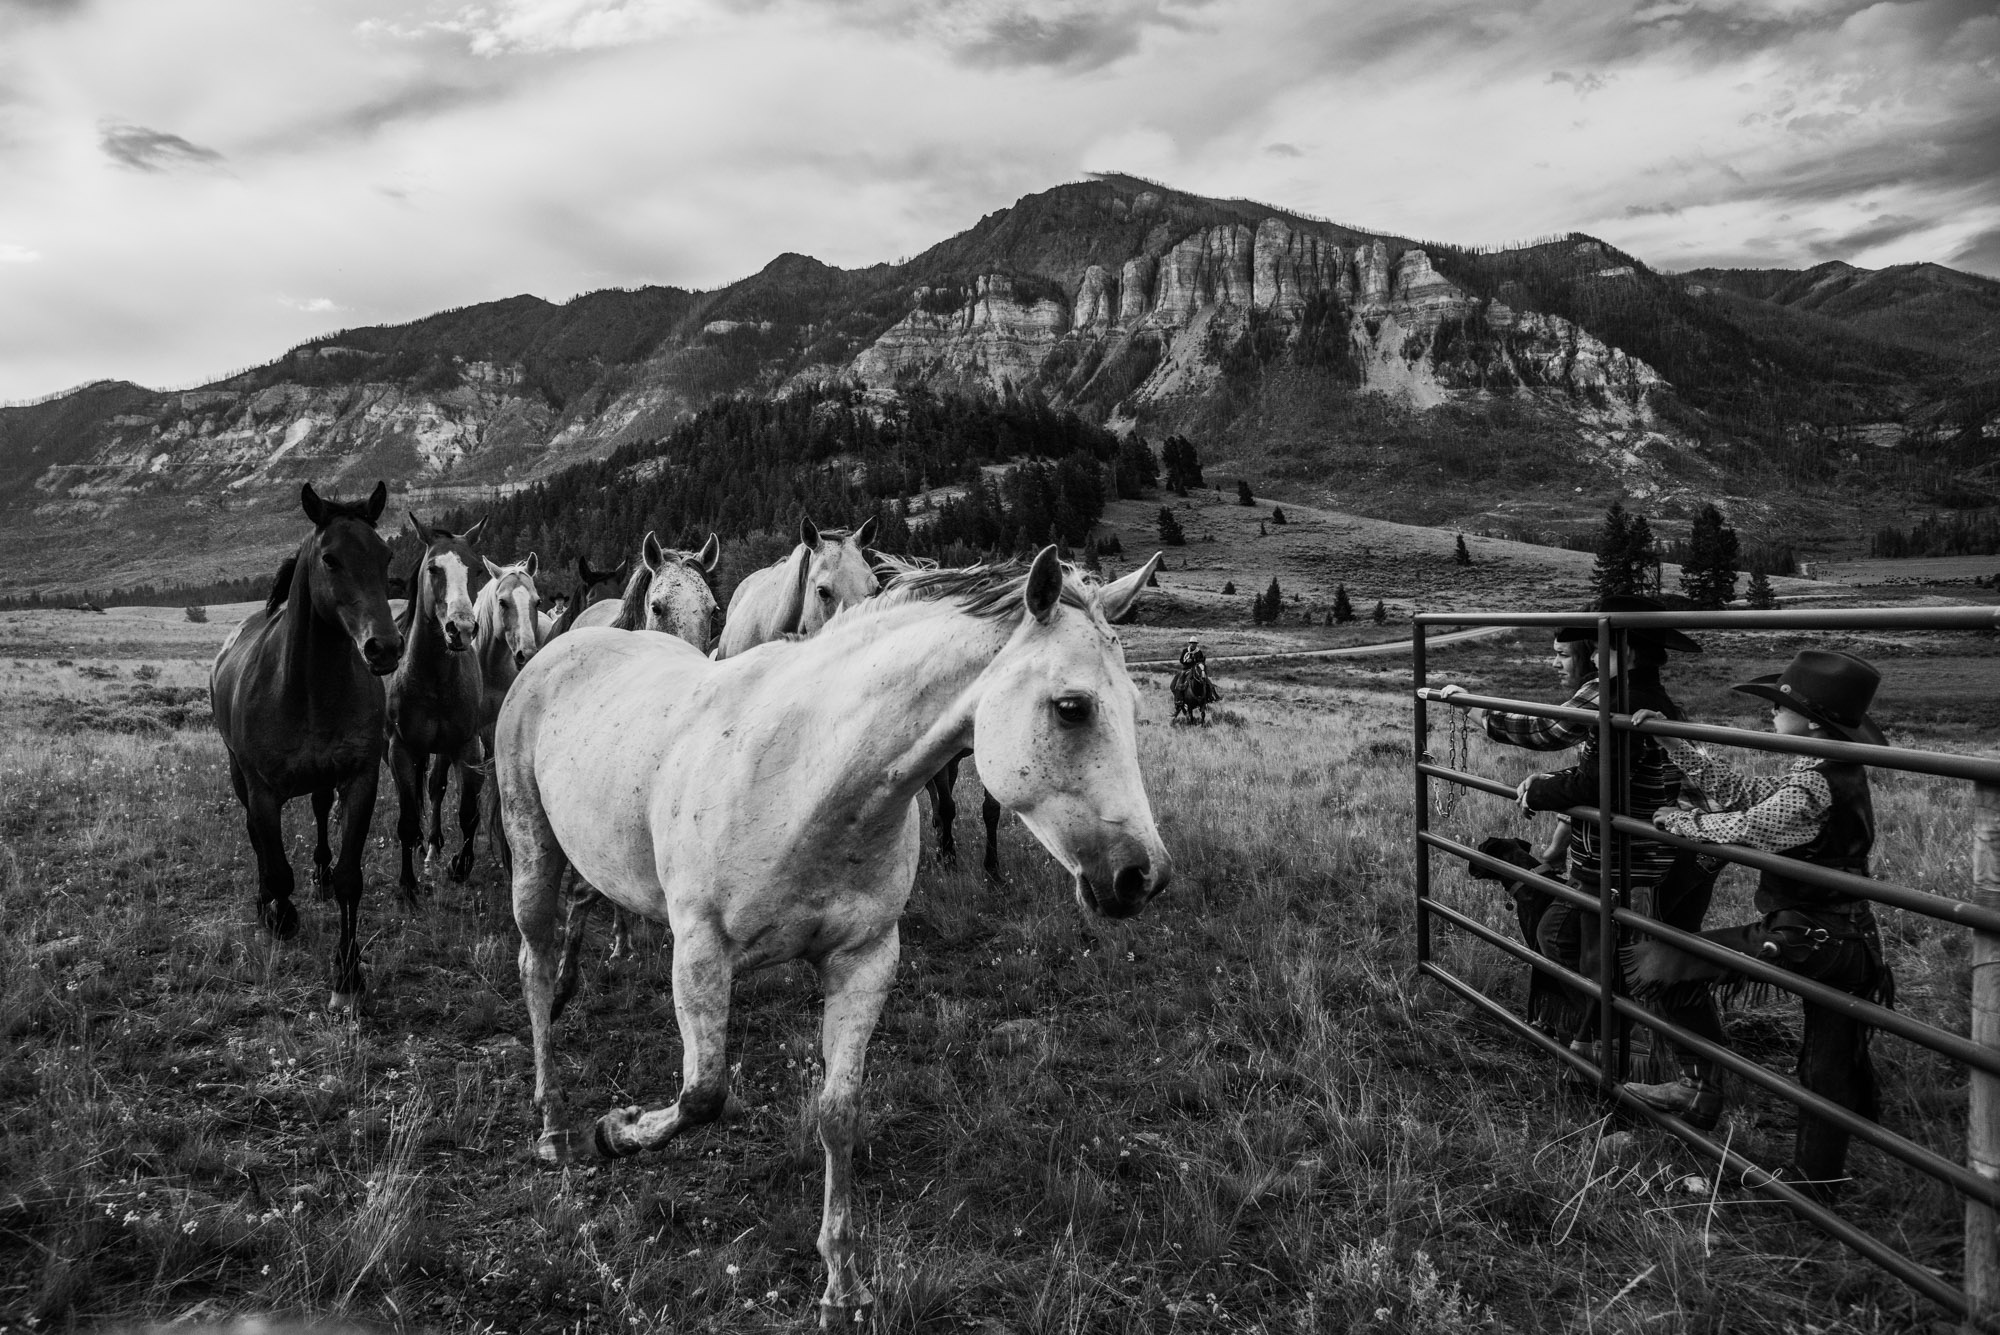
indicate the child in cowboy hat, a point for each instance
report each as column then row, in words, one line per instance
column 1818, row 812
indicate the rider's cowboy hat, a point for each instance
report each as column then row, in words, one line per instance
column 1665, row 637
column 1833, row 690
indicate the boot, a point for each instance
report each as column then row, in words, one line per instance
column 1696, row 1101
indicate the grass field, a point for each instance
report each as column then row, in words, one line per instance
column 1237, row 1112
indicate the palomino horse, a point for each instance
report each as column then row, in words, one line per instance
column 826, row 573
column 587, row 580
column 434, row 704
column 764, row 807
column 298, row 701
column 508, row 615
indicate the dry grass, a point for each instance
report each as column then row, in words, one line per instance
column 1236, row 1113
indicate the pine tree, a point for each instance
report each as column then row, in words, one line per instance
column 1278, row 515
column 1608, row 571
column 1759, row 592
column 1460, row 554
column 1628, row 560
column 1229, row 589
column 1274, row 601
column 1381, row 614
column 1243, row 496
column 1343, row 610
column 1170, row 529
column 1708, row 575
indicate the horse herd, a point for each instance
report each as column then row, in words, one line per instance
column 757, row 796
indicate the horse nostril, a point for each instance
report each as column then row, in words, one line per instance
column 378, row 650
column 1129, row 885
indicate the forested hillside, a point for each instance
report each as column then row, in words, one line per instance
column 748, row 468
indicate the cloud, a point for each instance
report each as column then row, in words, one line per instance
column 312, row 305
column 1284, row 150
column 146, row 150
column 1980, row 255
column 1878, row 231
column 1585, row 84
column 10, row 253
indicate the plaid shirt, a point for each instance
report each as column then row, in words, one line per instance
column 1654, row 780
column 1535, row 733
column 1762, row 813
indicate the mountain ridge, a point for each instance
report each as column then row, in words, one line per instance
column 1131, row 303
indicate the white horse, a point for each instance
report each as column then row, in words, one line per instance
column 764, row 807
column 826, row 573
column 668, row 591
column 507, row 619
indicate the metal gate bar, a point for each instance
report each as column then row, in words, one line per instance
column 1979, row 1183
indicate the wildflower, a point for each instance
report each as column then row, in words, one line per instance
column 732, row 1269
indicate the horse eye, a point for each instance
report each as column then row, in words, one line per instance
column 1073, row 709
column 826, row 593
column 329, row 562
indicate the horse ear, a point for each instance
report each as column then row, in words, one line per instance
column 1116, row 598
column 472, row 534
column 866, row 533
column 376, row 500
column 808, row 531
column 417, row 527
column 710, row 553
column 1045, row 581
column 314, row 507
column 655, row 558
column 528, row 566
column 492, row 571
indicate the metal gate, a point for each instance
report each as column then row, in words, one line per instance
column 1977, row 1182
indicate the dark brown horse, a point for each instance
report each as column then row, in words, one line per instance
column 944, row 811
column 435, row 702
column 298, row 699
column 587, row 581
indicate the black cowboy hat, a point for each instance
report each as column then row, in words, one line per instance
column 1833, row 690
column 1664, row 637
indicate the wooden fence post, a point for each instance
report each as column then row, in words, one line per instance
column 1982, row 1123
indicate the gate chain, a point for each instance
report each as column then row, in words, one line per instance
column 1457, row 755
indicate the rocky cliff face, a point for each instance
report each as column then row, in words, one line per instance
column 1204, row 290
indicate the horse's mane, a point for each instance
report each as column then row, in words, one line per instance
column 990, row 591
column 281, row 587
column 632, row 607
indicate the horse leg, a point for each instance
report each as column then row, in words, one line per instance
column 944, row 810
column 621, row 936
column 357, row 809
column 537, row 885
column 437, row 778
column 856, row 982
column 322, row 804
column 264, row 813
column 471, row 780
column 496, row 826
column 989, row 811
column 406, row 766
column 701, row 1003
column 582, row 901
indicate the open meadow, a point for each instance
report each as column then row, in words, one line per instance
column 1236, row 1112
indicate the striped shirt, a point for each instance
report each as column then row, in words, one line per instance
column 1772, row 814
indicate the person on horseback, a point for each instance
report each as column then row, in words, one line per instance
column 1191, row 687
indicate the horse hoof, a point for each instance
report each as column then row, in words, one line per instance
column 856, row 1315
column 562, row 1147
column 281, row 919
column 344, row 1003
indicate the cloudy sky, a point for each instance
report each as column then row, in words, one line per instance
column 190, row 186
